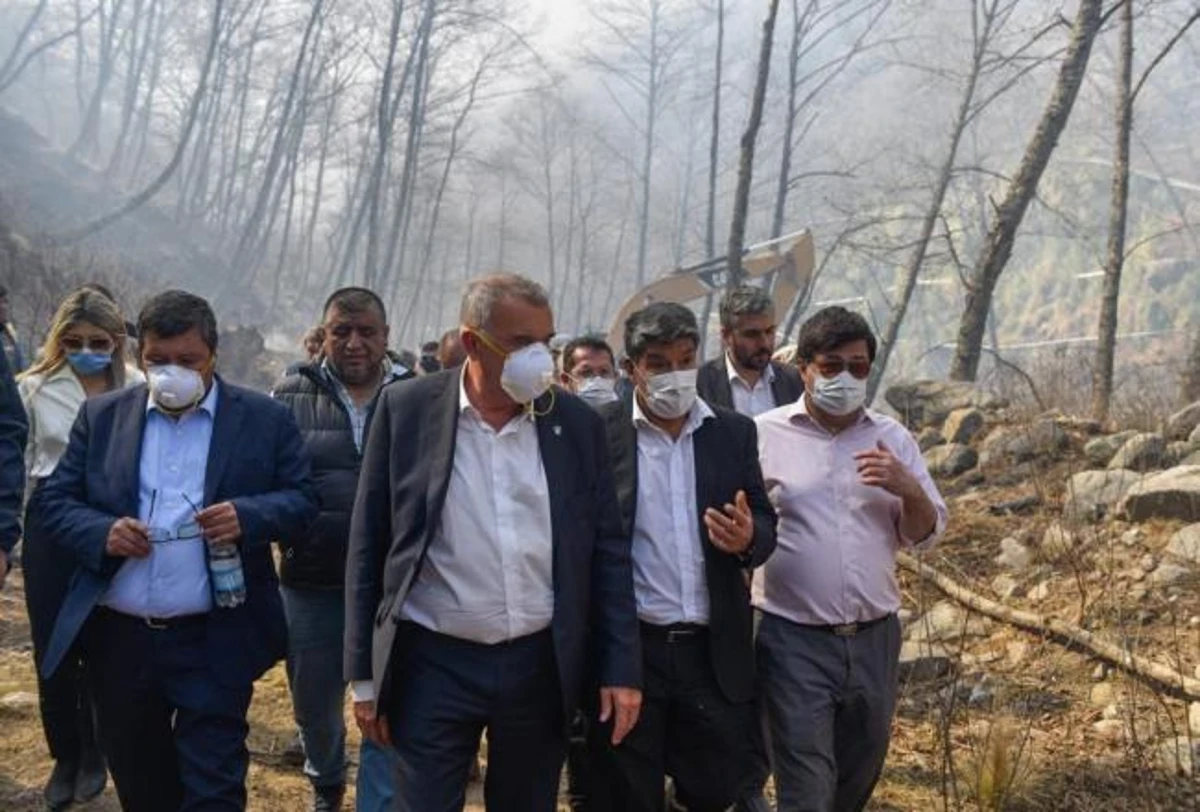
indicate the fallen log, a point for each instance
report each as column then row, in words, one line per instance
column 1072, row 637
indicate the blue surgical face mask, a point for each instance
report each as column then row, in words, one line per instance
column 89, row 363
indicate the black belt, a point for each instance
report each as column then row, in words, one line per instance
column 675, row 632
column 847, row 629
column 156, row 623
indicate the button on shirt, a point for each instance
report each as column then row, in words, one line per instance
column 173, row 580
column 488, row 575
column 668, row 561
column 751, row 400
column 836, row 557
column 358, row 413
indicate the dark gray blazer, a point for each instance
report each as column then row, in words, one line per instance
column 726, row 454
column 407, row 463
column 713, row 383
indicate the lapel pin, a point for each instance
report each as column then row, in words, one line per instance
column 557, row 431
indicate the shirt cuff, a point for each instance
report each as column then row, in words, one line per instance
column 362, row 690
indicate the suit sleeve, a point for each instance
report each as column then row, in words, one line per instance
column 68, row 518
column 291, row 505
column 13, row 434
column 760, row 504
column 370, row 538
column 614, row 609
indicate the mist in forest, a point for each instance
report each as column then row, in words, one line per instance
column 276, row 149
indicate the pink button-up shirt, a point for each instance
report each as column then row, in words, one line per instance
column 836, row 558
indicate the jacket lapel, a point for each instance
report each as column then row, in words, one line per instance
column 438, row 448
column 129, row 427
column 224, row 439
column 723, row 387
column 622, row 442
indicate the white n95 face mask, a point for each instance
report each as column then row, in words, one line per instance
column 175, row 388
column 528, row 373
column 840, row 395
column 597, row 391
column 671, row 395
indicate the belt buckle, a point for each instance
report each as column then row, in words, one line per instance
column 675, row 635
column 153, row 623
column 846, row 629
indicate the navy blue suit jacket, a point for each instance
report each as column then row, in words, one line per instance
column 409, row 456
column 13, row 429
column 256, row 461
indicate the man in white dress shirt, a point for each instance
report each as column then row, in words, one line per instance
column 486, row 560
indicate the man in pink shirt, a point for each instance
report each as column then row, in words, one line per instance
column 851, row 489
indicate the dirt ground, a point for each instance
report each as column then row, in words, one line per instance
column 1015, row 724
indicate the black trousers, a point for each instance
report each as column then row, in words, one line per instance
column 174, row 735
column 687, row 730
column 447, row 692
column 65, row 701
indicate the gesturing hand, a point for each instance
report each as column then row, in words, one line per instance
column 625, row 704
column 220, row 523
column 128, row 538
column 732, row 531
column 371, row 725
column 881, row 468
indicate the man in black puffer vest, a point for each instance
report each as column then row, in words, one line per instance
column 333, row 399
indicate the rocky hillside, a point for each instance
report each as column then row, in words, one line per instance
column 1065, row 528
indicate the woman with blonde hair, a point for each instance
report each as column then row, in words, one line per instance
column 84, row 356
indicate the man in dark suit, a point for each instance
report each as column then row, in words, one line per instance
column 693, row 501
column 744, row 378
column 487, row 562
column 13, row 431
column 168, row 496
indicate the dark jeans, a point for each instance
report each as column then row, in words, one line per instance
column 65, row 702
column 447, row 692
column 687, row 730
column 829, row 701
column 174, row 736
column 316, row 623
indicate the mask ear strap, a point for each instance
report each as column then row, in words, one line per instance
column 533, row 409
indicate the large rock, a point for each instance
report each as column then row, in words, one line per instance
column 1185, row 544
column 946, row 621
column 1043, row 439
column 1014, row 555
column 1179, row 755
column 1142, row 452
column 928, row 438
column 1093, row 495
column 1172, row 494
column 1100, row 450
column 1177, row 451
column 1185, row 421
column 1190, row 459
column 963, row 425
column 1194, row 437
column 951, row 460
column 929, row 403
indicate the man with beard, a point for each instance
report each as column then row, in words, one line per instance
column 745, row 378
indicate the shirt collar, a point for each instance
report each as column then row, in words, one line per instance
column 207, row 404
column 768, row 373
column 464, row 402
column 700, row 412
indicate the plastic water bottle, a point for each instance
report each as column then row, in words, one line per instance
column 228, row 580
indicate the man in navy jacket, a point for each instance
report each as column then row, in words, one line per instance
column 155, row 482
column 13, row 430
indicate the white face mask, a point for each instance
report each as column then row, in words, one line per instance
column 840, row 395
column 175, row 388
column 528, row 373
column 598, row 391
column 671, row 395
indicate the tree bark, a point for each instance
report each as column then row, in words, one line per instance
column 1010, row 212
column 1106, row 343
column 1163, row 677
column 741, row 199
column 1191, row 374
column 714, row 146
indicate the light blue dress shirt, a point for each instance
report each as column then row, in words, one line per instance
column 173, row 580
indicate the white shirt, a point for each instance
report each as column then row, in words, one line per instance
column 52, row 403
column 173, row 580
column 488, row 576
column 751, row 400
column 668, row 562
